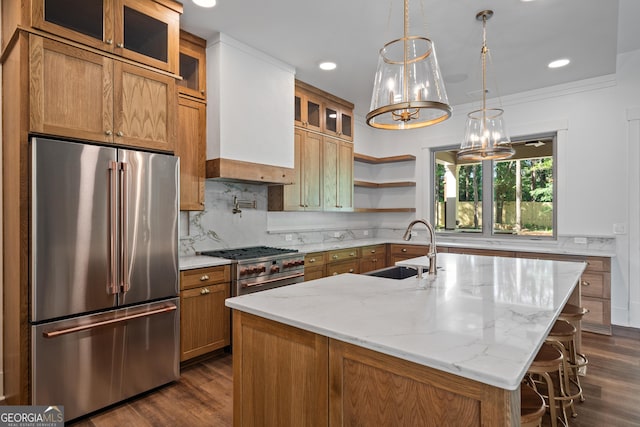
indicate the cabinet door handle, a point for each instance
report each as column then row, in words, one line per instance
column 404, row 249
column 204, row 277
column 335, row 273
column 373, row 251
column 109, row 41
column 374, row 260
column 120, row 133
column 351, row 270
column 352, row 254
column 312, row 260
column 108, row 132
column 585, row 283
column 335, row 257
column 120, row 45
column 204, row 291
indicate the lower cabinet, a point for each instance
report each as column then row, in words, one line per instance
column 314, row 265
column 373, row 258
column 311, row 380
column 205, row 322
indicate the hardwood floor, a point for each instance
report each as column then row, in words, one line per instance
column 203, row 395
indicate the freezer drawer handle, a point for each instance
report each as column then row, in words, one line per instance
column 57, row 333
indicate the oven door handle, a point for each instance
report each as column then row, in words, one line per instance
column 278, row 279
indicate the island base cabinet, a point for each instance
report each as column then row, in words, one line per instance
column 280, row 374
column 284, row 376
column 371, row 388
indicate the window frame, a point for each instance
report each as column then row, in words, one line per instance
column 488, row 231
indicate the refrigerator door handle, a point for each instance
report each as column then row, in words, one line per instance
column 79, row 328
column 112, row 286
column 124, row 227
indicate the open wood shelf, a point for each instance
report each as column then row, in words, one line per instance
column 384, row 210
column 363, row 158
column 370, row 184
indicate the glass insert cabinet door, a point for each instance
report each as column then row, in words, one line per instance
column 141, row 30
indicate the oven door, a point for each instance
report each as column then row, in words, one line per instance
column 256, row 284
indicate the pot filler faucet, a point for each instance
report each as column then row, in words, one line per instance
column 432, row 242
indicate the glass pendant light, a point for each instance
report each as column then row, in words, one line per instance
column 485, row 137
column 408, row 91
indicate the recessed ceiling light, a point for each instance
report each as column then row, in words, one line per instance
column 327, row 66
column 558, row 63
column 205, row 3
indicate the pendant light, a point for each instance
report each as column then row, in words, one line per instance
column 485, row 137
column 408, row 91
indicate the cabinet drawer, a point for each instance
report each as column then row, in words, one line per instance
column 336, row 268
column 410, row 251
column 374, row 251
column 204, row 276
column 595, row 285
column 598, row 319
column 343, row 254
column 313, row 273
column 316, row 258
column 598, row 264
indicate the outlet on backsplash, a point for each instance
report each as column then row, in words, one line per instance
column 336, row 234
column 288, row 237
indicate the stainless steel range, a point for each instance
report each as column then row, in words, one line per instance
column 259, row 268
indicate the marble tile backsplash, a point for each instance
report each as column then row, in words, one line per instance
column 219, row 227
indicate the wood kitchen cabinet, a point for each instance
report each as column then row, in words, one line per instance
column 82, row 95
column 314, row 265
column 306, row 193
column 204, row 320
column 372, row 258
column 193, row 56
column 308, row 112
column 338, row 121
column 337, row 174
column 145, row 31
column 191, row 147
column 400, row 252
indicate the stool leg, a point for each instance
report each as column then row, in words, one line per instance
column 575, row 366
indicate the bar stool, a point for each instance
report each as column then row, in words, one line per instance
column 562, row 336
column 577, row 361
column 532, row 407
column 548, row 362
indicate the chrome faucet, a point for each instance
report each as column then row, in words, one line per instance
column 432, row 242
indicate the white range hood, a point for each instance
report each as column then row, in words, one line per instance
column 249, row 114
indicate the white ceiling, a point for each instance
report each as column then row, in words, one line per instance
column 523, row 37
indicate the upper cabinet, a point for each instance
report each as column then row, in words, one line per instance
column 82, row 95
column 308, row 110
column 193, row 66
column 319, row 111
column 338, row 121
column 145, row 31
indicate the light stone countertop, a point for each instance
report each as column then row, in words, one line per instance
column 482, row 318
column 200, row 261
column 540, row 246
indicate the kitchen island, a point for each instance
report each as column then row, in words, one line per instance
column 352, row 349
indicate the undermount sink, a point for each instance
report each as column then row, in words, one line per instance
column 397, row 272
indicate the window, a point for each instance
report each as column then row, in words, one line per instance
column 505, row 197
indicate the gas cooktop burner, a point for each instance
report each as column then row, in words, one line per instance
column 248, row 253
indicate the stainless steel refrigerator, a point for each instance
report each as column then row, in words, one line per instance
column 104, row 274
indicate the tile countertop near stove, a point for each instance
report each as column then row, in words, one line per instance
column 481, row 317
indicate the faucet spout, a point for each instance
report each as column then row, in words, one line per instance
column 432, row 255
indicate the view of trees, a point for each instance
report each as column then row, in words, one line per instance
column 514, row 182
